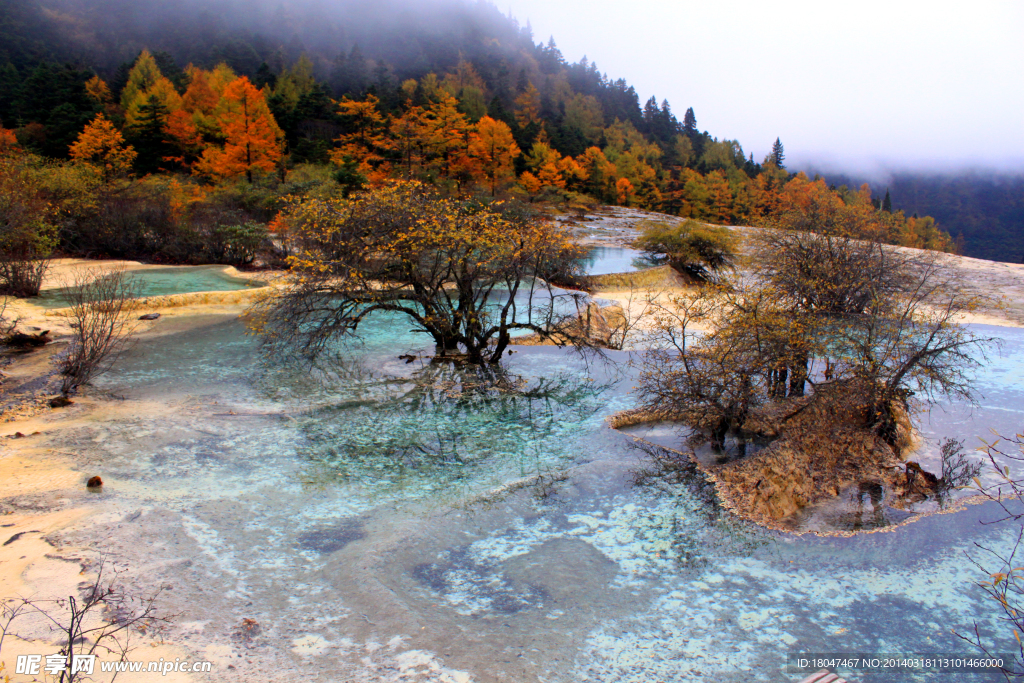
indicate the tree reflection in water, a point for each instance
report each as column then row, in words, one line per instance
column 444, row 427
column 701, row 528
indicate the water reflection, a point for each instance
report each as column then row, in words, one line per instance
column 608, row 260
column 444, row 423
column 700, row 528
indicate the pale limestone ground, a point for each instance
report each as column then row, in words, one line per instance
column 1001, row 283
column 32, row 566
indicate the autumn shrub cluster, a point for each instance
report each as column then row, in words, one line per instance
column 27, row 230
column 694, row 249
column 151, row 220
column 829, row 305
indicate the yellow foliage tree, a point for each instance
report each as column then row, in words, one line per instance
column 540, row 155
column 444, row 132
column 144, row 81
column 102, row 145
column 143, row 75
column 97, row 90
column 550, row 175
column 572, row 173
column 494, row 149
column 408, row 138
column 403, row 251
column 528, row 106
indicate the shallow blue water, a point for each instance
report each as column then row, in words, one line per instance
column 605, row 260
column 163, row 281
column 375, row 514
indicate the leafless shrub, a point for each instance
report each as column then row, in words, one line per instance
column 858, row 310
column 1005, row 585
column 102, row 319
column 7, row 324
column 627, row 321
column 102, row 620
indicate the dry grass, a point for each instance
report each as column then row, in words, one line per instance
column 661, row 277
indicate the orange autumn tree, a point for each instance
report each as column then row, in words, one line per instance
column 102, row 145
column 528, row 106
column 545, row 163
column 183, row 134
column 190, row 128
column 530, row 183
column 600, row 173
column 8, row 141
column 408, row 138
column 367, row 139
column 253, row 140
column 494, row 149
column 624, row 191
column 204, row 92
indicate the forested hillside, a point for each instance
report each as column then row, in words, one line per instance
column 187, row 99
column 984, row 212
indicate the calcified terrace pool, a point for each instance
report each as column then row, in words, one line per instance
column 171, row 280
column 384, row 520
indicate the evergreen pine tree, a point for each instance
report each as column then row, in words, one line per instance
column 887, row 202
column 690, row 123
column 355, row 72
column 147, row 135
column 264, row 76
column 778, row 155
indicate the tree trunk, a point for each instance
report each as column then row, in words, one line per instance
column 443, row 344
column 500, row 346
column 718, row 433
column 798, row 377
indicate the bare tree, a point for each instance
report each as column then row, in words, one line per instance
column 824, row 310
column 102, row 317
column 102, row 620
column 7, row 324
column 618, row 326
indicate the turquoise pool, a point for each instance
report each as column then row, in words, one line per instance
column 164, row 281
column 382, row 520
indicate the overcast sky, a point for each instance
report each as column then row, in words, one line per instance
column 861, row 85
